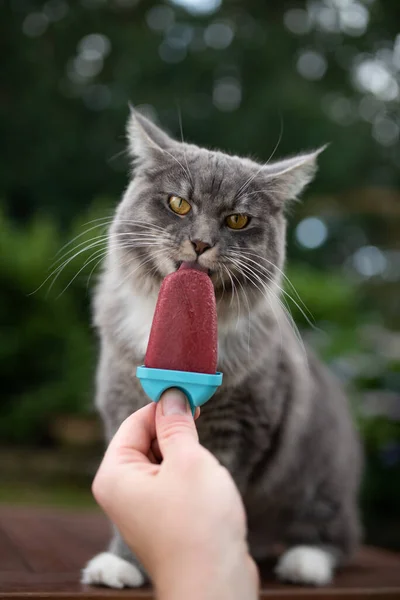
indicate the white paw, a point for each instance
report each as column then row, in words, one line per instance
column 112, row 571
column 307, row 565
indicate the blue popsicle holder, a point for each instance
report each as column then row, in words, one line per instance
column 198, row 387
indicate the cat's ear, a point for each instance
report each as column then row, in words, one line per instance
column 289, row 177
column 145, row 139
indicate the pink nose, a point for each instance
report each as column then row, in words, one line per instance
column 199, row 246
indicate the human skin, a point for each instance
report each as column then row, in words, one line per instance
column 182, row 517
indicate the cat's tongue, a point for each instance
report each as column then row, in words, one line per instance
column 183, row 335
column 193, row 265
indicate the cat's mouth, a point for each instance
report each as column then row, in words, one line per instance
column 193, row 265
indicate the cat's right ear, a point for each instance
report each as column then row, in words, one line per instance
column 145, row 140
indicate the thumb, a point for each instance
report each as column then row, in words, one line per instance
column 175, row 428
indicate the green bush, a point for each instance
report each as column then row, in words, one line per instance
column 47, row 346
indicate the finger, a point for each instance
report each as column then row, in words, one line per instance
column 135, row 434
column 155, row 448
column 175, row 426
column 152, row 458
column 254, row 572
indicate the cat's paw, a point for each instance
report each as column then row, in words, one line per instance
column 306, row 565
column 111, row 570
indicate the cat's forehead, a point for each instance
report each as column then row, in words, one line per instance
column 207, row 173
column 208, row 164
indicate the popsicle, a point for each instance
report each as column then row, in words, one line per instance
column 182, row 348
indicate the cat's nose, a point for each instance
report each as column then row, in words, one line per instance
column 200, row 246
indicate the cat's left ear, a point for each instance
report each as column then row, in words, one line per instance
column 289, row 177
column 145, row 139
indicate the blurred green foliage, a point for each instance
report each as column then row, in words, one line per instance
column 251, row 78
column 65, row 99
column 46, row 350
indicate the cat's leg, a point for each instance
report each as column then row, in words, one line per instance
column 116, row 568
column 307, row 565
column 118, row 395
column 318, row 545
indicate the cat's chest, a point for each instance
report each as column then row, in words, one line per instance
column 136, row 322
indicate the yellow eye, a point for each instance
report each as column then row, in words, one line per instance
column 237, row 221
column 179, row 205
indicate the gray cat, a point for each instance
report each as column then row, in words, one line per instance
column 279, row 423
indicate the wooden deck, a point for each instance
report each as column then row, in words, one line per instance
column 43, row 550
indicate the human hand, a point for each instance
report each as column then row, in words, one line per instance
column 183, row 518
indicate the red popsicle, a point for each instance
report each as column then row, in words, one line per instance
column 183, row 335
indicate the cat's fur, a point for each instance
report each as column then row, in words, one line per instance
column 279, row 423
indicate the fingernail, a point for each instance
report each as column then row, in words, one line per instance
column 174, row 403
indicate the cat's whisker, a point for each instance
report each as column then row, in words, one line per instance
column 234, row 292
column 76, row 275
column 245, row 253
column 103, row 222
column 140, row 265
column 79, row 236
column 248, row 313
column 110, row 236
column 93, row 270
column 264, row 290
column 123, row 152
column 97, row 239
column 121, row 263
column 184, row 151
column 296, row 330
column 102, row 242
column 244, row 187
column 286, row 313
column 163, row 259
column 102, row 253
column 58, row 270
column 93, row 257
column 121, row 246
column 180, row 164
column 232, row 283
column 223, row 282
column 108, row 218
column 111, row 218
column 141, row 224
column 221, row 276
column 286, row 310
column 276, row 187
column 238, row 304
column 96, row 254
column 115, row 236
column 266, row 274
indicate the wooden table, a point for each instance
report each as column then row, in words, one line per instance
column 43, row 550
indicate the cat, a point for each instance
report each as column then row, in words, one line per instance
column 280, row 423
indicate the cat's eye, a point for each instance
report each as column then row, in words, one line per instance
column 237, row 221
column 179, row 205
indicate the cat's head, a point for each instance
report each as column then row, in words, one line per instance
column 187, row 203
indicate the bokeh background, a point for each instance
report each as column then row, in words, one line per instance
column 250, row 77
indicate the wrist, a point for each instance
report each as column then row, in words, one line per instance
column 200, row 577
column 182, row 581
